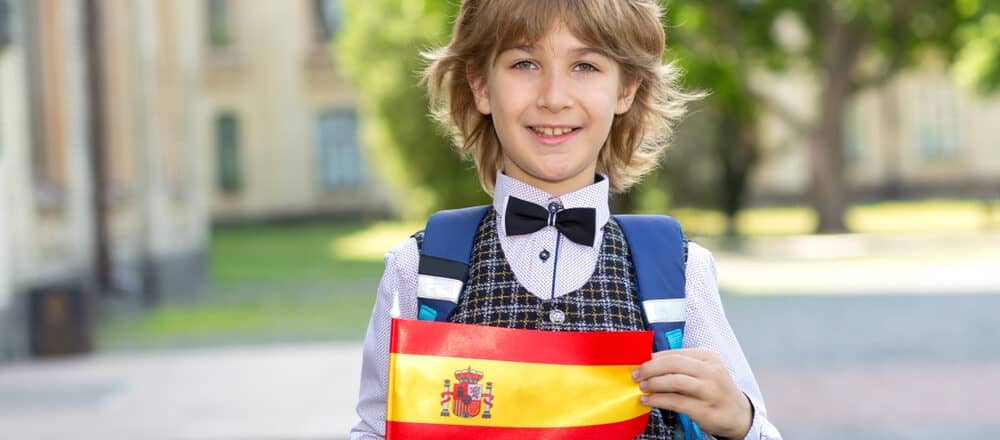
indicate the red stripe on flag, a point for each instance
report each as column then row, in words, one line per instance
column 624, row 430
column 516, row 345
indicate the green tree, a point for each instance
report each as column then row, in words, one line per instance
column 977, row 66
column 712, row 43
column 841, row 34
column 847, row 46
column 379, row 49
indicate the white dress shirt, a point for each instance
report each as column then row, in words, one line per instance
column 706, row 325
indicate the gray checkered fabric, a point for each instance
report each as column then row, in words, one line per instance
column 607, row 302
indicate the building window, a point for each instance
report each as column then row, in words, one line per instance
column 5, row 24
column 227, row 144
column 326, row 17
column 936, row 130
column 220, row 29
column 340, row 162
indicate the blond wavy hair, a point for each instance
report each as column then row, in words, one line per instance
column 627, row 31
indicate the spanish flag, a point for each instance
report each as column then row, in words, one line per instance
column 458, row 381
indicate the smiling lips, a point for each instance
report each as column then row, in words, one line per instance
column 553, row 135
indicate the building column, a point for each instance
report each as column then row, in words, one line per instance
column 6, row 287
column 8, row 97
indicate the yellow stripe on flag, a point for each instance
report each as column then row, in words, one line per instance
column 529, row 395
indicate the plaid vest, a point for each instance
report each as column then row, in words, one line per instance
column 607, row 302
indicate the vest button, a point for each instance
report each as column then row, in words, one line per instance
column 557, row 316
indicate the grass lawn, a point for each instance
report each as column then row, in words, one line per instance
column 930, row 216
column 318, row 281
column 271, row 283
column 282, row 315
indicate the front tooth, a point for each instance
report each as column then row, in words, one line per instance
column 561, row 131
column 548, row 131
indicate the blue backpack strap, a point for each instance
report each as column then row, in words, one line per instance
column 659, row 255
column 444, row 260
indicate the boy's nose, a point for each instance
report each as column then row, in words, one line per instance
column 554, row 95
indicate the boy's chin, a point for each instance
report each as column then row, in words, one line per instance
column 550, row 173
column 559, row 178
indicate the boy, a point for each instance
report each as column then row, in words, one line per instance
column 559, row 102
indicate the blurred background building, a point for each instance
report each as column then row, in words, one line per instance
column 917, row 136
column 280, row 121
column 103, row 180
column 129, row 126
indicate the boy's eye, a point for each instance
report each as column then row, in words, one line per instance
column 524, row 65
column 585, row 67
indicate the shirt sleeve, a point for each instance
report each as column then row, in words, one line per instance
column 396, row 298
column 707, row 326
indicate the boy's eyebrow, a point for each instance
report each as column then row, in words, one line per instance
column 576, row 51
column 585, row 50
column 523, row 47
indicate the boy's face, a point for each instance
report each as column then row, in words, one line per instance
column 552, row 105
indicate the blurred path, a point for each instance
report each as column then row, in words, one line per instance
column 875, row 367
column 893, row 401
column 861, row 264
column 266, row 392
column 850, row 337
column 891, row 367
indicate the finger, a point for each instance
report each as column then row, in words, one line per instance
column 673, row 402
column 675, row 383
column 670, row 365
column 700, row 353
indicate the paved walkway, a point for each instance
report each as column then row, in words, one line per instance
column 889, row 367
column 850, row 337
column 267, row 392
column 859, row 264
column 293, row 392
column 894, row 401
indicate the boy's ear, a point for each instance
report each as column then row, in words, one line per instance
column 627, row 97
column 477, row 82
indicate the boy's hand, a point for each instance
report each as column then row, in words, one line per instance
column 693, row 381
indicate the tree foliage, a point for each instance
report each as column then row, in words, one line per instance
column 977, row 65
column 710, row 42
column 379, row 50
column 846, row 46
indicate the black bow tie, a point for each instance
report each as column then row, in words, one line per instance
column 577, row 224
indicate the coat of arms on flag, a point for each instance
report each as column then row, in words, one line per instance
column 467, row 395
column 549, row 385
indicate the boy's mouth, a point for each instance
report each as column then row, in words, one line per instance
column 553, row 135
column 553, row 131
